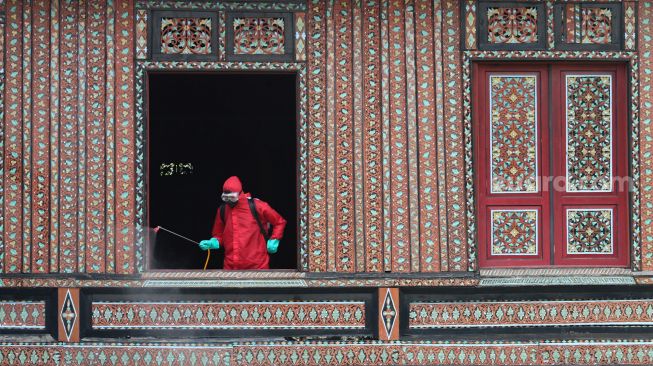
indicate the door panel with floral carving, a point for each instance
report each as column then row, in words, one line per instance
column 550, row 160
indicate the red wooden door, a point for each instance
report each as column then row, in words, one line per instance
column 549, row 142
column 591, row 158
column 512, row 155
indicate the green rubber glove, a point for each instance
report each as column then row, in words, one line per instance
column 273, row 245
column 212, row 243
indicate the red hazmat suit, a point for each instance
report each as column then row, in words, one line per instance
column 244, row 245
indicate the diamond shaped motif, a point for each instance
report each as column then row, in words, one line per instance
column 389, row 313
column 68, row 315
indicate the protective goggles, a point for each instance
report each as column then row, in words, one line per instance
column 230, row 197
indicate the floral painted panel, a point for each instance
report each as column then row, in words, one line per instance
column 512, row 25
column 228, row 315
column 596, row 26
column 529, row 313
column 22, row 315
column 589, row 231
column 259, row 36
column 589, row 133
column 186, row 36
column 514, row 232
column 513, row 133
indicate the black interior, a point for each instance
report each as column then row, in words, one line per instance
column 223, row 124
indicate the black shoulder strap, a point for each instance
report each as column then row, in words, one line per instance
column 252, row 207
column 222, row 208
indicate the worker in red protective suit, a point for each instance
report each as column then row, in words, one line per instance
column 241, row 226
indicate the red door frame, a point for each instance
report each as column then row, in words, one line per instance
column 543, row 201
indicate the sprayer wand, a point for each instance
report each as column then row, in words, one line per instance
column 208, row 253
column 156, row 230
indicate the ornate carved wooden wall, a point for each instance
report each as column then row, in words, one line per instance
column 68, row 201
column 386, row 170
column 382, row 195
column 387, row 181
column 379, row 193
column 645, row 138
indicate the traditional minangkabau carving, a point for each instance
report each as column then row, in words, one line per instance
column 259, row 36
column 589, row 133
column 22, row 315
column 300, row 36
column 141, row 34
column 479, row 314
column 326, row 353
column 589, row 231
column 514, row 232
column 229, row 315
column 68, row 315
column 186, row 36
column 389, row 314
column 513, row 139
column 470, row 24
column 512, row 25
column 169, row 169
column 596, row 25
column 630, row 25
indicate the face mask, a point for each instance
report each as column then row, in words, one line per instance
column 230, row 198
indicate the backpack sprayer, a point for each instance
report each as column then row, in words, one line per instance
column 208, row 253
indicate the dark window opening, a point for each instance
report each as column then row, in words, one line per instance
column 204, row 128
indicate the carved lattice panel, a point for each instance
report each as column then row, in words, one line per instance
column 511, row 26
column 184, row 35
column 585, row 26
column 260, row 37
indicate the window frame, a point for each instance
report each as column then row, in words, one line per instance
column 142, row 241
